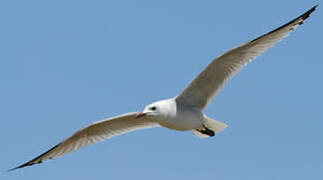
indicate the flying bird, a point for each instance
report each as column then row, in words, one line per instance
column 183, row 112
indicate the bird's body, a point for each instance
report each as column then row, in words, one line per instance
column 185, row 111
column 177, row 116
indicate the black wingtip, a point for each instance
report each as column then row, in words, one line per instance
column 307, row 14
column 21, row 166
column 301, row 18
column 24, row 165
column 36, row 160
column 9, row 170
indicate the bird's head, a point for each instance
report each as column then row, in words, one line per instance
column 157, row 110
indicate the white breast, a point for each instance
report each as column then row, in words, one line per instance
column 180, row 117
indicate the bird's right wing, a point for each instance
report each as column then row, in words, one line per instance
column 93, row 133
column 211, row 80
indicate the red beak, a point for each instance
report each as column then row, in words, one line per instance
column 140, row 114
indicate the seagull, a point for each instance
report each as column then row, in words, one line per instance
column 183, row 112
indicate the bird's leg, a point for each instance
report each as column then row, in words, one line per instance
column 206, row 131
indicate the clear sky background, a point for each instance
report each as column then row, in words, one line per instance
column 65, row 64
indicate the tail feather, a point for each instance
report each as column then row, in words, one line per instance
column 215, row 125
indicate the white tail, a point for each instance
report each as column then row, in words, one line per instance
column 210, row 124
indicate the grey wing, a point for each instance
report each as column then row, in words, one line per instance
column 93, row 133
column 211, row 80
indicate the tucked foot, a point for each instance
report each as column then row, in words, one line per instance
column 206, row 131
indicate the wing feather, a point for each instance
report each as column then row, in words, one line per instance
column 93, row 133
column 211, row 80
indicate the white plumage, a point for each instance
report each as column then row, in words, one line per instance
column 183, row 112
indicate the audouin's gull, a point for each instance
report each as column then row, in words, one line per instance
column 183, row 112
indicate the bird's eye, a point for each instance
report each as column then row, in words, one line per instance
column 153, row 108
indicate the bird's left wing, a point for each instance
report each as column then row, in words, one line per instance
column 211, row 80
column 93, row 133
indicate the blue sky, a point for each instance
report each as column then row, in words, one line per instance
column 66, row 64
